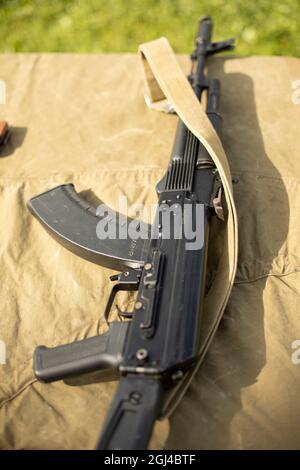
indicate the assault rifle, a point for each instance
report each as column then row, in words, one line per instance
column 160, row 342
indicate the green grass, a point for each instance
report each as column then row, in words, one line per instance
column 261, row 26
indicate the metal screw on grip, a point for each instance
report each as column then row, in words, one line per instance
column 142, row 354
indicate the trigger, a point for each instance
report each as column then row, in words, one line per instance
column 124, row 315
column 126, row 281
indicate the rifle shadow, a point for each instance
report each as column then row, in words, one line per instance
column 15, row 140
column 209, row 415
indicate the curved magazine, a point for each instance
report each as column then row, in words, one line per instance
column 74, row 223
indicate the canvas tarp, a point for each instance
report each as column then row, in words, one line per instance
column 82, row 119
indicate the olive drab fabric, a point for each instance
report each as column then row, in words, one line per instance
column 83, row 119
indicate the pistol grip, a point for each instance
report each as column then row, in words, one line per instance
column 88, row 355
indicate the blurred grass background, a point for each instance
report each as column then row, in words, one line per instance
column 261, row 26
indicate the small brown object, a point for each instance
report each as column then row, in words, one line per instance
column 4, row 132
